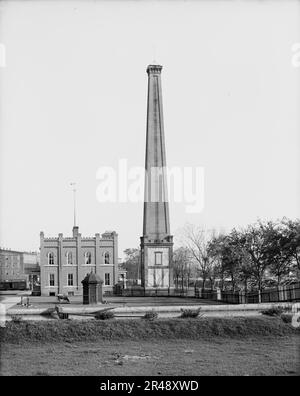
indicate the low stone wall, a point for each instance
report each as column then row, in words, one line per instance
column 83, row 310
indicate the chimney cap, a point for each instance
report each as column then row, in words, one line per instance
column 154, row 69
column 75, row 231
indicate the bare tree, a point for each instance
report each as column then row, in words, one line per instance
column 182, row 267
column 197, row 240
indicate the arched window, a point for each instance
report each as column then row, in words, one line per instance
column 69, row 258
column 50, row 258
column 87, row 258
column 106, row 258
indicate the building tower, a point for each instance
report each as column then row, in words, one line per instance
column 156, row 242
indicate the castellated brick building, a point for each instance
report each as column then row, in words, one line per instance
column 65, row 261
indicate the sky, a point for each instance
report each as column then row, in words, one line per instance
column 73, row 99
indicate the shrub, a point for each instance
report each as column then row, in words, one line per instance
column 16, row 319
column 190, row 313
column 150, row 315
column 286, row 317
column 274, row 311
column 104, row 315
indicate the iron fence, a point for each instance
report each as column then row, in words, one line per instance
column 289, row 293
column 155, row 292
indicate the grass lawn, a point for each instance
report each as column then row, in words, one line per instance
column 47, row 302
column 205, row 346
column 258, row 356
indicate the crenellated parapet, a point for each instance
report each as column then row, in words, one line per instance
column 65, row 261
column 154, row 69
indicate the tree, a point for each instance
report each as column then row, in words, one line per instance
column 293, row 236
column 216, row 249
column 197, row 241
column 241, row 271
column 245, row 272
column 278, row 239
column 132, row 263
column 255, row 240
column 230, row 256
column 181, row 266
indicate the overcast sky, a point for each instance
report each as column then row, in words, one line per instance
column 73, row 99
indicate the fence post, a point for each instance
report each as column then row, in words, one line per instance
column 293, row 292
column 259, row 296
column 241, row 297
column 282, row 293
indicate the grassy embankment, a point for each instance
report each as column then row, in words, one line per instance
column 204, row 328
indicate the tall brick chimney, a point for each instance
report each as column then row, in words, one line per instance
column 156, row 242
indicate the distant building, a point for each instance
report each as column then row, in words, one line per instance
column 65, row 261
column 17, row 267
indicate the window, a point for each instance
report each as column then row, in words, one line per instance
column 158, row 258
column 70, row 279
column 107, row 280
column 87, row 258
column 106, row 258
column 50, row 259
column 51, row 280
column 69, row 258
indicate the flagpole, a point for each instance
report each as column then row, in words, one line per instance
column 74, row 200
